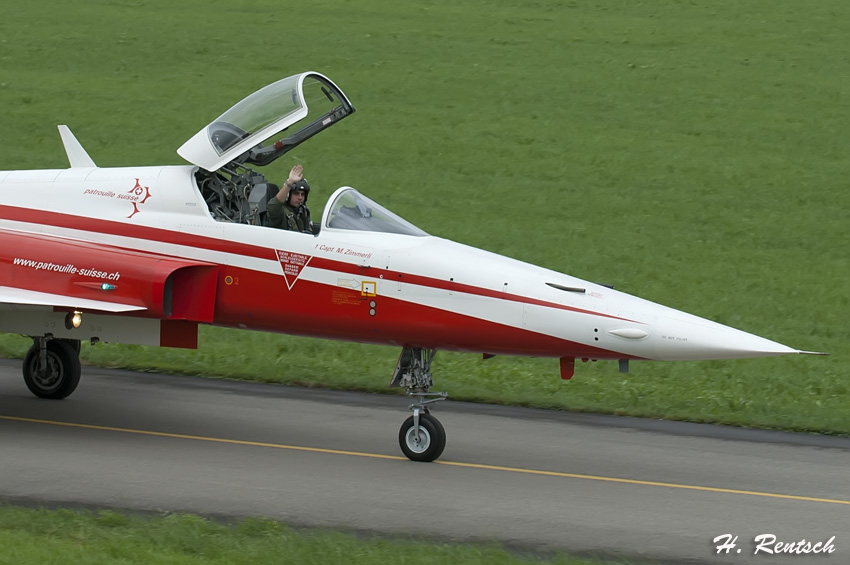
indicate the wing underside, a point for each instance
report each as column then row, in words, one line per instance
column 12, row 295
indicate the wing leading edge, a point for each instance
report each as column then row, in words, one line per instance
column 12, row 295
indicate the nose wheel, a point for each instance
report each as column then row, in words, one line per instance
column 421, row 437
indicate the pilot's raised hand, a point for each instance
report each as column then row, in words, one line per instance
column 295, row 175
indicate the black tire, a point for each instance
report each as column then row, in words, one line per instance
column 75, row 345
column 62, row 374
column 432, row 439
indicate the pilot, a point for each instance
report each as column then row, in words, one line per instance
column 288, row 208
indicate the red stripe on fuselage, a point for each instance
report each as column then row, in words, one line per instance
column 161, row 235
column 451, row 286
column 108, row 227
column 320, row 310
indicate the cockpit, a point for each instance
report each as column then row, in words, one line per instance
column 297, row 108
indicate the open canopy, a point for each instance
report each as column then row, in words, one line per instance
column 306, row 103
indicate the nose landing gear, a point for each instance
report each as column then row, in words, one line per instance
column 421, row 437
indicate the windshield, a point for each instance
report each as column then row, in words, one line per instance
column 353, row 211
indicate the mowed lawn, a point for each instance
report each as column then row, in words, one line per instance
column 694, row 154
column 37, row 536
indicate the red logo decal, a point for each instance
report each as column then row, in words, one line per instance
column 136, row 196
column 292, row 264
column 137, row 192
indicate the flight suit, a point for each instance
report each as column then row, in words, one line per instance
column 283, row 216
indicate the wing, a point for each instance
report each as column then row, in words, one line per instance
column 12, row 295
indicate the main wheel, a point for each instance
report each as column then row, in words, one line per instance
column 74, row 344
column 59, row 377
column 430, row 443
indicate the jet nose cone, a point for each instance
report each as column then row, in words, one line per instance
column 693, row 338
column 742, row 344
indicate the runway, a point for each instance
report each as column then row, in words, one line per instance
column 531, row 479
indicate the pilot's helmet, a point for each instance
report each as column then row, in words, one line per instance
column 300, row 185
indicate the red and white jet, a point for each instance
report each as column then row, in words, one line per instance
column 143, row 255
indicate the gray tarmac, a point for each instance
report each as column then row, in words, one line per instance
column 535, row 480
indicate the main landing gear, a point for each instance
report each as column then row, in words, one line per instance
column 52, row 367
column 421, row 437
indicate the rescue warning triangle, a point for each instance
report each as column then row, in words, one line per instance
column 292, row 264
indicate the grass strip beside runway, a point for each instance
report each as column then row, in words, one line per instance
column 29, row 536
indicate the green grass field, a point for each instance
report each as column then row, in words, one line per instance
column 693, row 154
column 68, row 537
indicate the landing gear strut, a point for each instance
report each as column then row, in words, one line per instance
column 421, row 437
column 52, row 367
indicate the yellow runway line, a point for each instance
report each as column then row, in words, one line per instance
column 446, row 463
